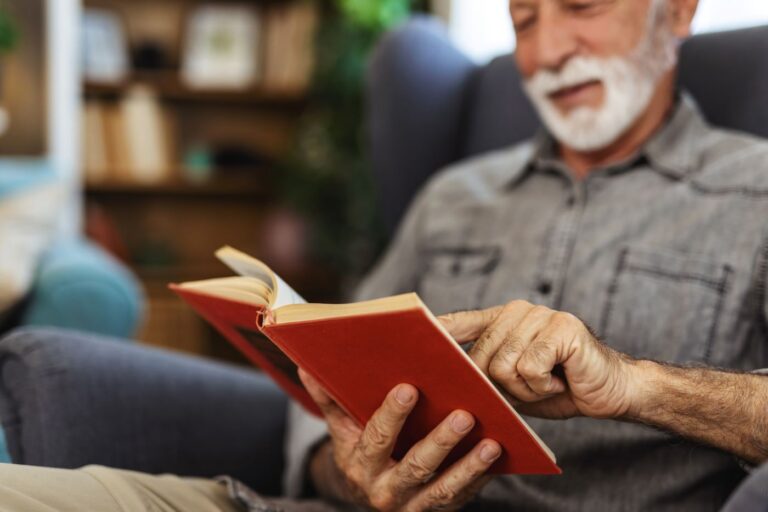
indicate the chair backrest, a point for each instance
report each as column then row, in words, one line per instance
column 430, row 106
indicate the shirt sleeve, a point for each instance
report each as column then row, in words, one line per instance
column 28, row 223
column 395, row 273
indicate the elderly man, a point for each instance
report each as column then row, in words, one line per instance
column 631, row 214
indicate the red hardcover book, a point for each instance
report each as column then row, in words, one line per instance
column 359, row 352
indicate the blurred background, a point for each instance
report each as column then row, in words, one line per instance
column 179, row 126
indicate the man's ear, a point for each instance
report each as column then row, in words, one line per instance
column 681, row 16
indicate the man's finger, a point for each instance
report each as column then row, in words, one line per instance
column 469, row 325
column 374, row 448
column 425, row 457
column 504, row 334
column 503, row 366
column 537, row 363
column 459, row 483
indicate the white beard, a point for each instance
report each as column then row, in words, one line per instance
column 629, row 83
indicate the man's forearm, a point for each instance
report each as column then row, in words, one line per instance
column 724, row 409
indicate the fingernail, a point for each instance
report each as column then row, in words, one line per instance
column 489, row 453
column 404, row 395
column 460, row 423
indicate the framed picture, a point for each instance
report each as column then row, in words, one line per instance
column 104, row 46
column 221, row 48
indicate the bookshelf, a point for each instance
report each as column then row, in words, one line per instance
column 173, row 170
column 215, row 188
column 170, row 88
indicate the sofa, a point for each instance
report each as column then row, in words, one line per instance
column 76, row 285
column 68, row 399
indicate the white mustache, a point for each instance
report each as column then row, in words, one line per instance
column 577, row 71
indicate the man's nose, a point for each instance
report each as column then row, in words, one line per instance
column 556, row 42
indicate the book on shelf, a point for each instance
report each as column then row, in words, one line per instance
column 144, row 128
column 127, row 142
column 96, row 159
column 359, row 352
column 289, row 42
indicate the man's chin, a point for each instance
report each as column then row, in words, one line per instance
column 582, row 131
column 572, row 113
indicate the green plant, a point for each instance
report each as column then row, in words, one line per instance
column 327, row 176
column 8, row 32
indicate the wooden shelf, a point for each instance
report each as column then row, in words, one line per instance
column 215, row 187
column 169, row 87
column 157, row 277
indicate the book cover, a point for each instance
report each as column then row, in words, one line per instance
column 359, row 352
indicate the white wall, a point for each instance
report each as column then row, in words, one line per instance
column 715, row 15
column 483, row 30
column 63, row 21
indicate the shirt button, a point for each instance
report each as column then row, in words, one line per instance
column 571, row 201
column 545, row 288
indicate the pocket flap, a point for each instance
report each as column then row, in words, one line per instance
column 674, row 266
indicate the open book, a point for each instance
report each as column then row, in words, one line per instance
column 359, row 352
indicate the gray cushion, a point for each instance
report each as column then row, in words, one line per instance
column 752, row 494
column 727, row 73
column 499, row 113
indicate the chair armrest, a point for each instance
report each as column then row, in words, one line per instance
column 69, row 399
column 417, row 85
column 751, row 495
column 79, row 286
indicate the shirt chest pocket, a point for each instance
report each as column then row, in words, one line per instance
column 664, row 305
column 455, row 278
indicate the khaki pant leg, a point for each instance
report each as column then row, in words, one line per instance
column 34, row 489
column 96, row 488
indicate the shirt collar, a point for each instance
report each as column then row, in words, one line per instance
column 673, row 150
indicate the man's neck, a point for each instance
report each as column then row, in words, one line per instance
column 582, row 163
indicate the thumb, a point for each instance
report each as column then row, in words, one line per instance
column 466, row 326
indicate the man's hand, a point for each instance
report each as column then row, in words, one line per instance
column 356, row 466
column 546, row 360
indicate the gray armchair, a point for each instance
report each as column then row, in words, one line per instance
column 67, row 401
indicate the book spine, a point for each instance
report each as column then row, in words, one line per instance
column 265, row 318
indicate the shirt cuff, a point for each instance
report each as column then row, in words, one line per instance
column 304, row 433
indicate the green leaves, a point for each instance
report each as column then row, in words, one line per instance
column 375, row 14
column 327, row 176
column 8, row 32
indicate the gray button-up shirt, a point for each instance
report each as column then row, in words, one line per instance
column 664, row 255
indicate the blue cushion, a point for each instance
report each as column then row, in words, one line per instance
column 4, row 456
column 79, row 286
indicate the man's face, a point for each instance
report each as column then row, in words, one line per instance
column 591, row 67
column 550, row 32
